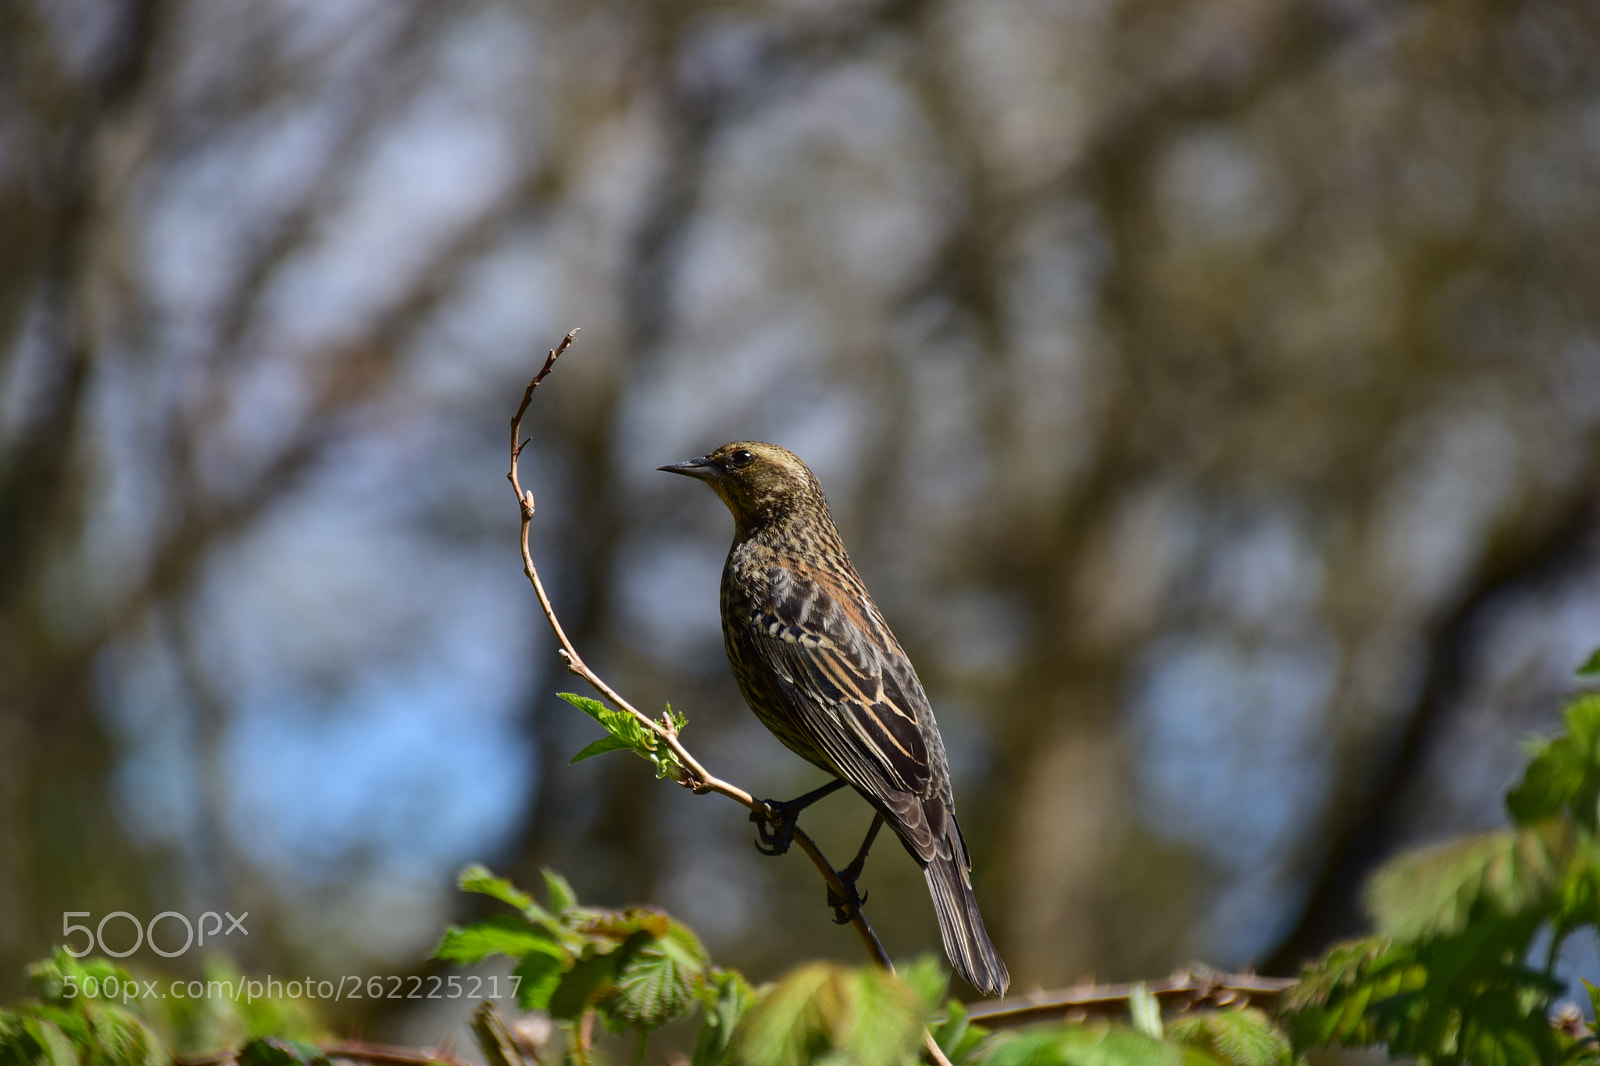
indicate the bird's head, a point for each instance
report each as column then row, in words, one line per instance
column 759, row 482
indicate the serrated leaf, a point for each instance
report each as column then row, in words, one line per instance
column 600, row 747
column 558, row 894
column 540, row 975
column 589, row 706
column 819, row 1011
column 1436, row 891
column 1234, row 1037
column 477, row 878
column 1591, row 665
column 653, row 988
column 503, row 934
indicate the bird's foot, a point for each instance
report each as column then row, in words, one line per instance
column 846, row 908
column 775, row 826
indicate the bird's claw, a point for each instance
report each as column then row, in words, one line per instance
column 845, row 910
column 775, row 826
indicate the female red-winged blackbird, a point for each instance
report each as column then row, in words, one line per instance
column 818, row 665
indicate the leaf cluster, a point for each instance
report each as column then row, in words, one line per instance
column 1449, row 974
column 634, row 968
column 92, row 1012
column 624, row 732
column 637, row 969
column 66, row 1026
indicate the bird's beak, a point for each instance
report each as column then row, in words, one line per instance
column 702, row 468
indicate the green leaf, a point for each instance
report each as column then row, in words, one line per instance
column 477, row 878
column 1329, row 1004
column 1090, row 1045
column 54, row 1047
column 589, row 706
column 823, row 1011
column 654, row 987
column 504, row 934
column 627, row 731
column 1144, row 1010
column 1564, row 774
column 659, row 967
column 1234, row 1037
column 540, row 975
column 1500, row 1032
column 580, row 986
column 956, row 1035
column 558, row 894
column 726, row 997
column 1438, row 890
column 679, row 721
column 600, row 747
column 1591, row 665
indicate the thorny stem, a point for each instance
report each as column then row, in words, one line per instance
column 695, row 776
column 1196, row 989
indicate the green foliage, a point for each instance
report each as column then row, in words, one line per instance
column 956, row 1036
column 839, row 1015
column 1447, row 976
column 1563, row 780
column 1591, row 665
column 634, row 968
column 726, row 997
column 1100, row 1044
column 81, row 1017
column 1212, row 1038
column 227, row 1016
column 1235, row 1037
column 91, row 1012
column 624, row 732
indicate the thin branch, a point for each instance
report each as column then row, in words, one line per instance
column 1196, row 989
column 695, row 776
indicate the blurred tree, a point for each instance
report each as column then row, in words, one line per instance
column 1196, row 384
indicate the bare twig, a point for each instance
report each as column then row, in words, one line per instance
column 695, row 776
column 1196, row 989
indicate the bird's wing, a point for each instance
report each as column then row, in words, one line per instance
column 859, row 700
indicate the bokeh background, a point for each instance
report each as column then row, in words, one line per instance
column 1208, row 391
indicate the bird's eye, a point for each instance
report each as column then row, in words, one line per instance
column 740, row 458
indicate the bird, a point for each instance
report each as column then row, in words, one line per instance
column 817, row 663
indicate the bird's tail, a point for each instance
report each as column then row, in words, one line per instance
column 966, row 942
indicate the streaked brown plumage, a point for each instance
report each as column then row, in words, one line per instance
column 818, row 665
